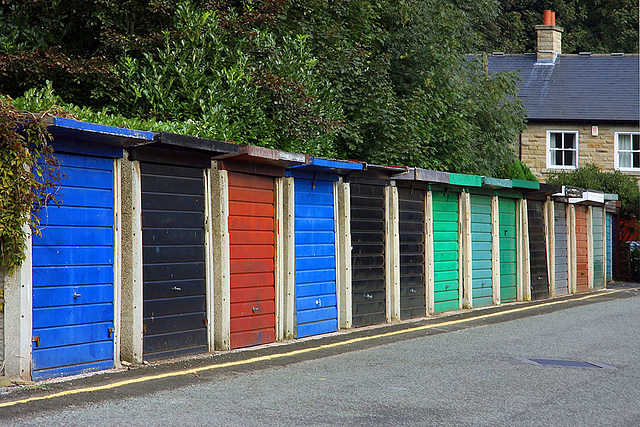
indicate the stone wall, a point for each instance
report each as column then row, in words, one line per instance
column 591, row 149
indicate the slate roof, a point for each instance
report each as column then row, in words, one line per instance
column 576, row 87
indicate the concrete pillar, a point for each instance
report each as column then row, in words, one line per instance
column 18, row 311
column 286, row 257
column 343, row 254
column 221, row 272
column 495, row 249
column 465, row 253
column 392, row 254
column 117, row 259
column 428, row 253
column 131, row 310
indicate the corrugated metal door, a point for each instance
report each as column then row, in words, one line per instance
column 252, row 245
column 412, row 275
column 73, row 273
column 173, row 260
column 507, row 233
column 367, row 254
column 538, row 251
column 445, row 251
column 598, row 247
column 316, row 301
column 561, row 256
column 582, row 250
column 609, row 231
column 481, row 271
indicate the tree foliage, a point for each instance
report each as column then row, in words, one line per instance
column 598, row 26
column 591, row 176
column 29, row 175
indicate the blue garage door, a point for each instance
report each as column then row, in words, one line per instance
column 481, row 273
column 316, row 305
column 73, row 273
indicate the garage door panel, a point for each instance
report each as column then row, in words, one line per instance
column 172, row 236
column 168, row 184
column 174, row 271
column 251, row 338
column 47, row 358
column 174, row 323
column 77, row 216
column 174, row 202
column 74, row 334
column 85, row 178
column 245, row 224
column 174, row 305
column 167, row 219
column 72, row 295
column 47, row 317
column 72, row 255
column 178, row 343
column 167, row 289
column 72, row 275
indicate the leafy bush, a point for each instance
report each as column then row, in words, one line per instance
column 516, row 170
column 29, row 175
column 590, row 176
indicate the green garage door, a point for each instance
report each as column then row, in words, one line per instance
column 507, row 233
column 445, row 251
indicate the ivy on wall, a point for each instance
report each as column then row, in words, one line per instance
column 29, row 179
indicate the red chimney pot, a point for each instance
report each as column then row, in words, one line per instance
column 546, row 17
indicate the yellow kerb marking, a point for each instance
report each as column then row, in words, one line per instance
column 288, row 354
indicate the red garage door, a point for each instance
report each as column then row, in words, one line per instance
column 252, row 246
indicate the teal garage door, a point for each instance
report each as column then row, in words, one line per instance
column 481, row 273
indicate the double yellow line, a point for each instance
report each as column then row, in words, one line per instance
column 290, row 353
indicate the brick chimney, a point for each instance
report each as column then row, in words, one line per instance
column 549, row 39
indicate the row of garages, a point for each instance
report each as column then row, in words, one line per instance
column 169, row 245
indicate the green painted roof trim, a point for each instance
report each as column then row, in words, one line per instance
column 521, row 183
column 610, row 196
column 496, row 182
column 465, row 180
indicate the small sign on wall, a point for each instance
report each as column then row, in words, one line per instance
column 594, row 130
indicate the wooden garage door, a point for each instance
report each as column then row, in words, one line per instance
column 445, row 251
column 367, row 254
column 73, row 273
column 482, row 291
column 538, row 251
column 252, row 246
column 507, row 233
column 562, row 260
column 412, row 273
column 173, row 259
column 315, row 244
column 582, row 250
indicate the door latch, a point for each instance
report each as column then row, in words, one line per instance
column 76, row 295
column 36, row 340
column 254, row 309
column 110, row 333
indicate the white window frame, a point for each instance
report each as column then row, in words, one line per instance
column 616, row 158
column 550, row 164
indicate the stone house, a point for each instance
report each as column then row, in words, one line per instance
column 580, row 108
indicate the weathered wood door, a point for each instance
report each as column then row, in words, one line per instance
column 446, row 251
column 315, row 238
column 507, row 233
column 252, row 246
column 538, row 251
column 582, row 250
column 367, row 254
column 412, row 268
column 561, row 253
column 598, row 246
column 73, row 293
column 173, row 259
column 481, row 271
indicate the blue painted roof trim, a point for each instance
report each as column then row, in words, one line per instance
column 71, row 124
column 326, row 165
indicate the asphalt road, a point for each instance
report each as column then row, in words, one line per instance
column 466, row 376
